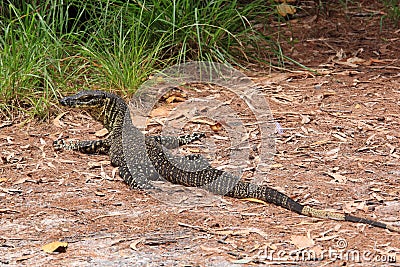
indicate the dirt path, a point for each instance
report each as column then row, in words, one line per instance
column 339, row 150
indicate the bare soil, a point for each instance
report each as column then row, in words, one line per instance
column 339, row 150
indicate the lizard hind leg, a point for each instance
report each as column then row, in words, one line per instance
column 87, row 146
column 174, row 142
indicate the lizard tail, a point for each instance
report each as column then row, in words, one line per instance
column 323, row 214
column 270, row 195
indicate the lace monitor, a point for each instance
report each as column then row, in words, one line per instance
column 152, row 160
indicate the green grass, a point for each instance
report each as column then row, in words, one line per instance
column 56, row 46
column 48, row 48
column 392, row 11
column 131, row 41
column 34, row 59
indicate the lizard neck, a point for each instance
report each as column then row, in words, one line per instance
column 111, row 113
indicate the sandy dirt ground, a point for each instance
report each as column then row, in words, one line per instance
column 337, row 148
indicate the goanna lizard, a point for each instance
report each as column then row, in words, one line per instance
column 147, row 159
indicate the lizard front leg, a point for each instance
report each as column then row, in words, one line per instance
column 174, row 142
column 87, row 146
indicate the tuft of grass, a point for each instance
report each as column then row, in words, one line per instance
column 33, row 56
column 392, row 11
column 121, row 48
column 129, row 40
column 50, row 47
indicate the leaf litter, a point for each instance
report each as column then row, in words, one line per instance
column 338, row 150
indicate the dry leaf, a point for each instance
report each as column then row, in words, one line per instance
column 328, row 93
column 304, row 129
column 104, row 175
column 361, row 149
column 327, row 238
column 285, row 9
column 20, row 181
column 241, row 232
column 56, row 246
column 134, row 244
column 114, row 172
column 100, row 194
column 276, row 166
column 355, row 60
column 10, row 140
column 215, row 126
column 101, row 133
column 337, row 178
column 243, row 261
column 379, row 198
column 8, row 211
column 301, row 242
column 159, row 112
column 174, row 99
column 340, row 137
column 211, row 249
column 321, row 142
column 202, row 121
column 98, row 164
column 346, row 63
column 5, row 124
column 351, row 207
column 230, row 232
column 375, row 189
column 24, row 258
column 282, row 99
column 305, row 119
column 57, row 121
column 51, row 165
column 255, row 200
column 175, row 95
column 333, row 152
column 272, row 246
column 25, row 147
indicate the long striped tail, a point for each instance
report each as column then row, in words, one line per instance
column 270, row 195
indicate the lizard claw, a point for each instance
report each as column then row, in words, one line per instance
column 198, row 136
column 59, row 144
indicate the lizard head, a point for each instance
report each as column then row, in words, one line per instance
column 85, row 100
column 102, row 106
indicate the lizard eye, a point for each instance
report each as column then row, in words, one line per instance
column 89, row 100
column 85, row 98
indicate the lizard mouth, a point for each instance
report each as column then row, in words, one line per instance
column 81, row 101
column 67, row 102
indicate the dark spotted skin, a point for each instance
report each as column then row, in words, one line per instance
column 103, row 146
column 147, row 159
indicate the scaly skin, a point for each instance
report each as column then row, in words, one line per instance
column 147, row 159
